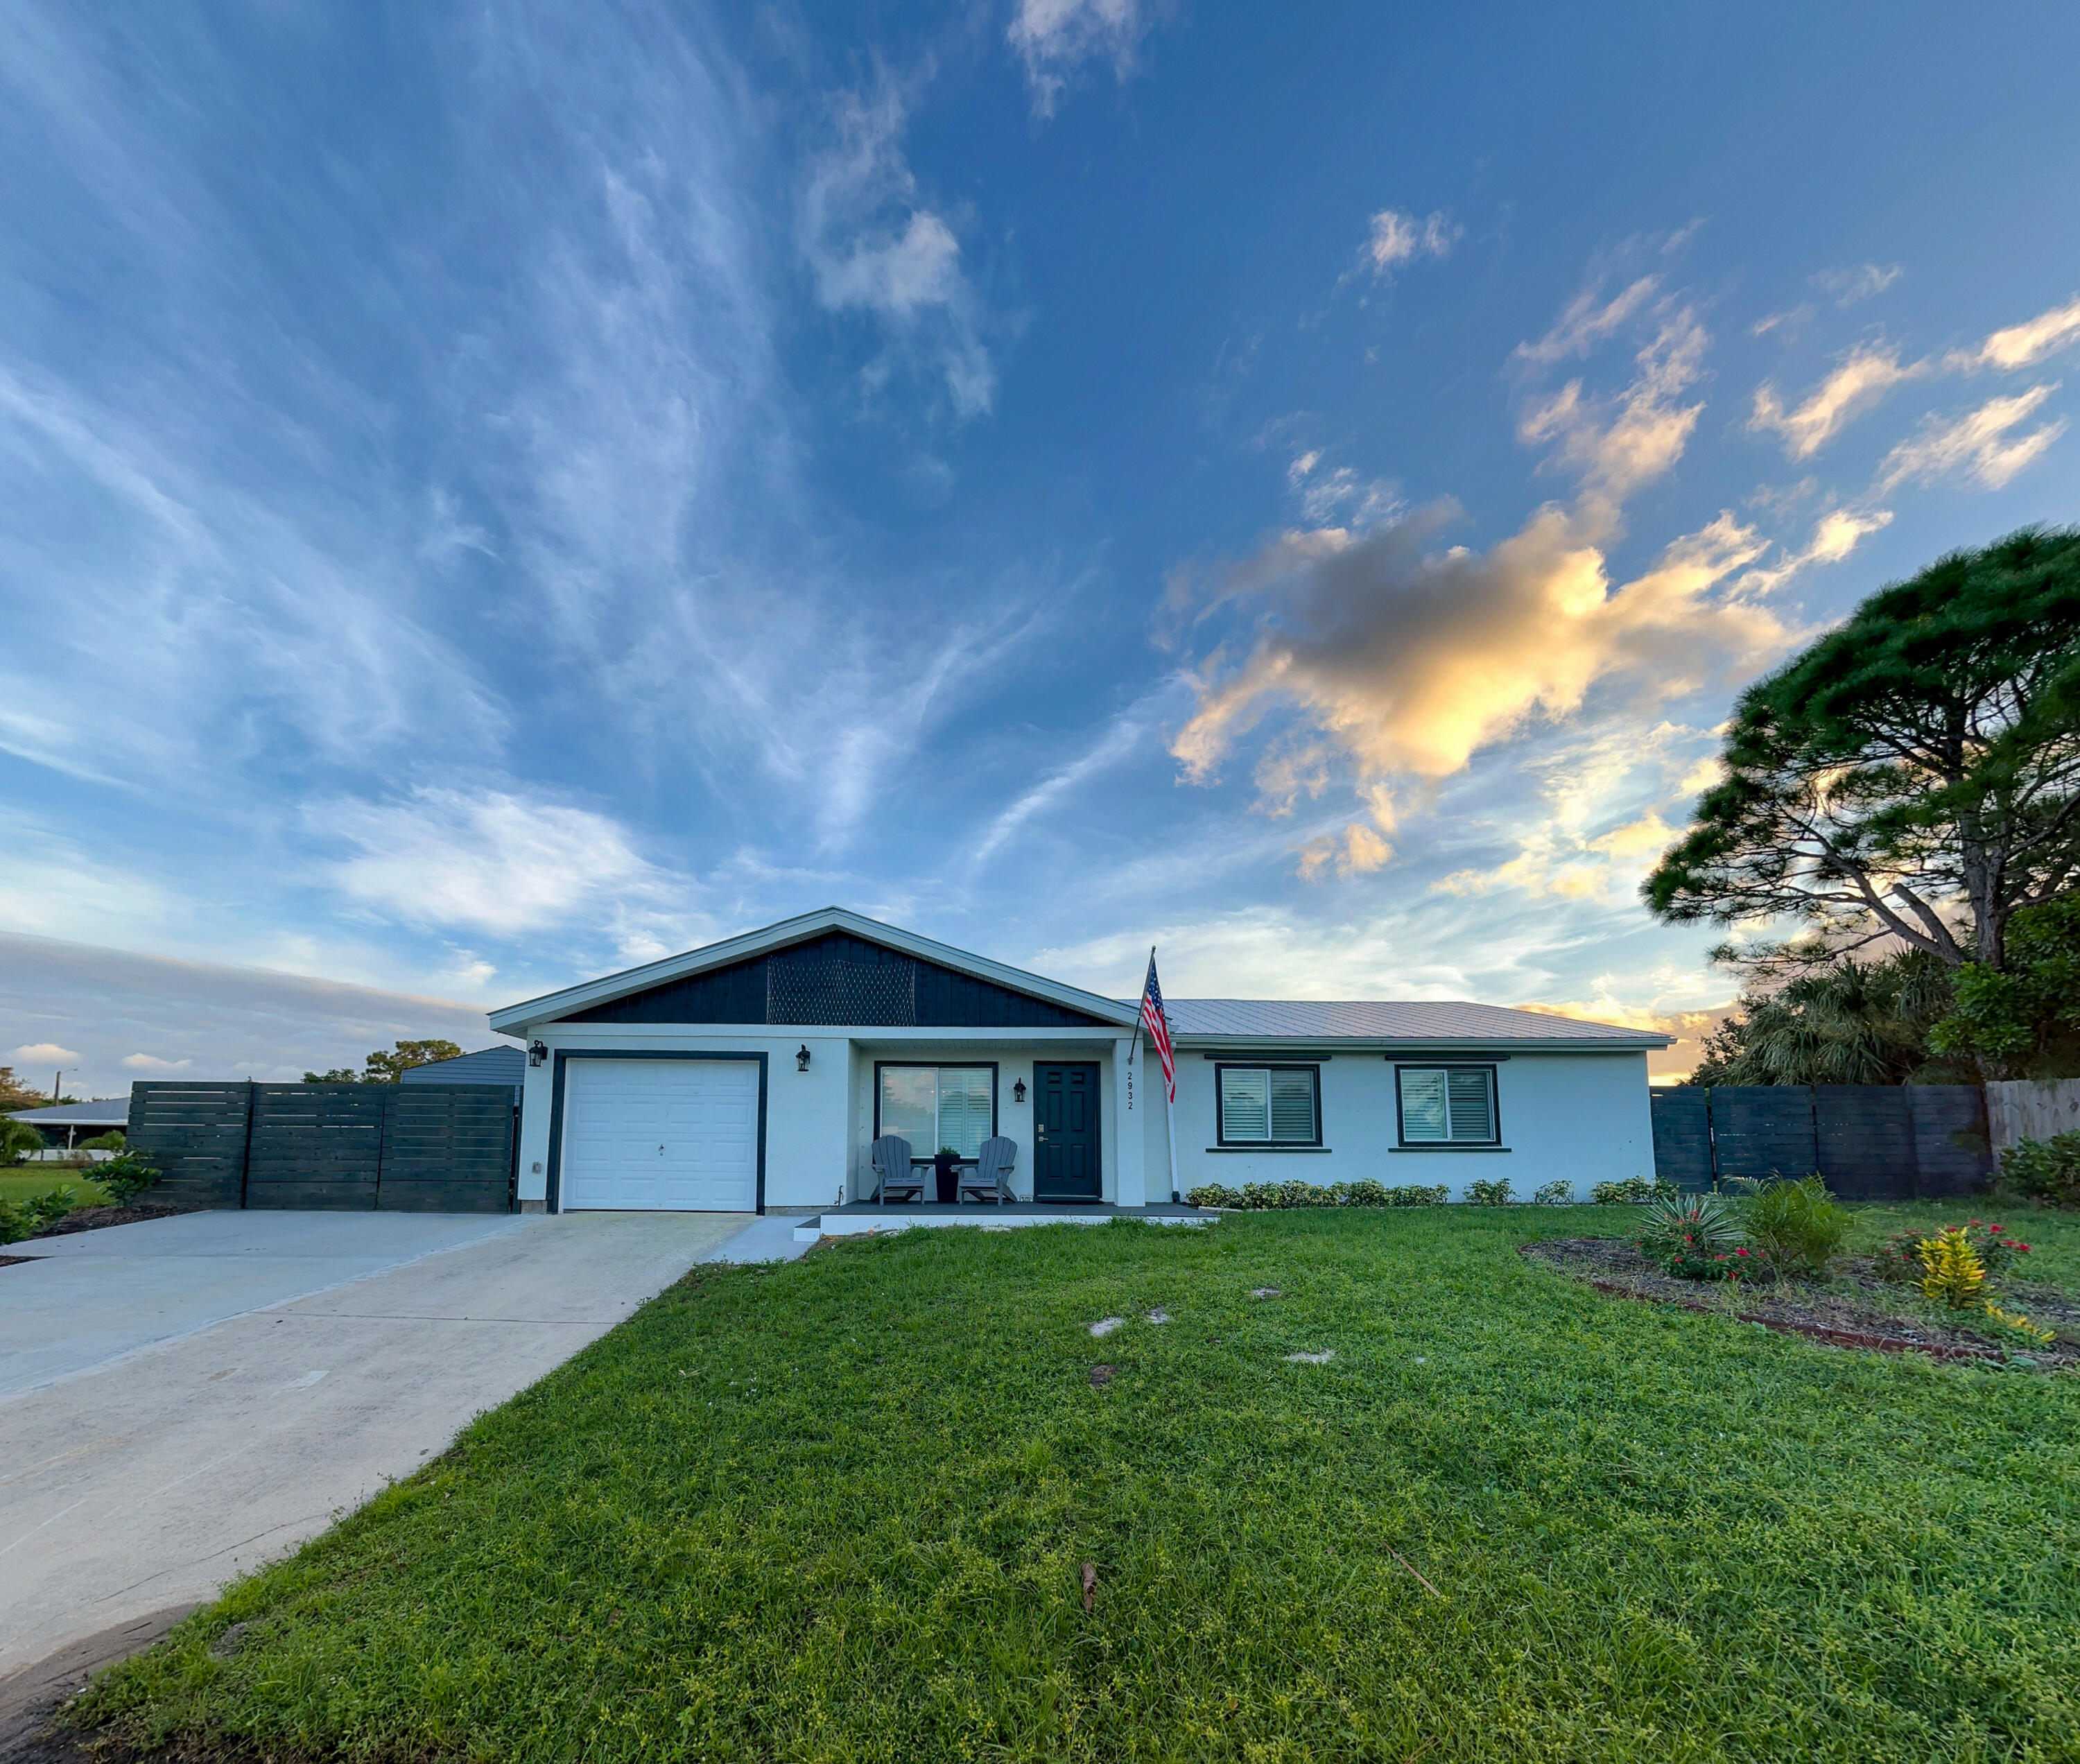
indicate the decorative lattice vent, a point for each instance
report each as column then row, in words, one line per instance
column 827, row 983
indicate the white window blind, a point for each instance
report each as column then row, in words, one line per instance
column 1245, row 1104
column 1448, row 1105
column 1263, row 1105
column 936, row 1106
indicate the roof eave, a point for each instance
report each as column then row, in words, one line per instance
column 1428, row 1043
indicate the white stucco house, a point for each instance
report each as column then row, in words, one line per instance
column 755, row 1075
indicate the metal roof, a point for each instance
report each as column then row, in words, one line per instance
column 113, row 1111
column 1432, row 1021
column 487, row 1065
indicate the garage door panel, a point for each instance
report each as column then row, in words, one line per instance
column 666, row 1135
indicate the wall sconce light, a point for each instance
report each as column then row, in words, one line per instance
column 1018, row 1091
column 801, row 1058
column 538, row 1053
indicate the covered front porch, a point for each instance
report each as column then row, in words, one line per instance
column 1060, row 1113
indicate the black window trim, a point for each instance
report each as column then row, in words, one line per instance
column 1222, row 1142
column 1494, row 1107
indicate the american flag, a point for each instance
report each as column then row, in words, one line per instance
column 1158, row 1026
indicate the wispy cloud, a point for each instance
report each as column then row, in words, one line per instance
column 1978, row 445
column 1855, row 385
column 2026, row 344
column 1054, row 37
column 494, row 861
column 874, row 247
column 1396, row 238
column 1845, row 287
column 1621, row 442
column 1120, row 738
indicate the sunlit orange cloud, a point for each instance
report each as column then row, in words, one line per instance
column 1689, row 1028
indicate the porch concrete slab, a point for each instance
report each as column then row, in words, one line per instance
column 863, row 1218
column 154, row 1476
column 773, row 1238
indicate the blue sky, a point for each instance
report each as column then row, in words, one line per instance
column 490, row 494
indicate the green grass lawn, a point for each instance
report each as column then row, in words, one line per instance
column 836, row 1510
column 25, row 1180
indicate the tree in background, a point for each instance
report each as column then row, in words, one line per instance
column 2022, row 1020
column 15, row 1094
column 1914, row 777
column 1850, row 1022
column 389, row 1068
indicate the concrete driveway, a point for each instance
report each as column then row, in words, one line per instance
column 184, row 1399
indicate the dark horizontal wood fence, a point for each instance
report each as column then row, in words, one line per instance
column 419, row 1148
column 1869, row 1141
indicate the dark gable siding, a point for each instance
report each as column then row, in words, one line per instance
column 838, row 978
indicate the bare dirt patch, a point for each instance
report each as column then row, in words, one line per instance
column 1852, row 1308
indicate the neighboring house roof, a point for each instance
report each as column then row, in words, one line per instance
column 110, row 1112
column 515, row 1019
column 488, row 1066
column 1440, row 1023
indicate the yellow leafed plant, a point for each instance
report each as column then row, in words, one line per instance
column 1950, row 1268
column 2016, row 1323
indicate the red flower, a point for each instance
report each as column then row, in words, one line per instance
column 1994, row 1228
column 2023, row 1247
column 1740, row 1252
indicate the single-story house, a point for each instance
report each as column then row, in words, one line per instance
column 487, row 1065
column 64, row 1125
column 756, row 1073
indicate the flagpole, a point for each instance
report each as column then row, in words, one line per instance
column 1170, row 1118
column 1169, row 1100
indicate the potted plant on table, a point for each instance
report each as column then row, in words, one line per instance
column 944, row 1165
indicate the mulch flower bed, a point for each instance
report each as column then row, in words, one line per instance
column 93, row 1218
column 1852, row 1308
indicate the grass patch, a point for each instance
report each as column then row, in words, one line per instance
column 25, row 1181
column 837, row 1509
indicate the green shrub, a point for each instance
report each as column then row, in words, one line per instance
column 1696, row 1236
column 125, row 1178
column 1481, row 1192
column 17, row 1139
column 1795, row 1227
column 1636, row 1189
column 2044, row 1169
column 1898, row 1258
column 1258, row 1197
column 113, row 1141
column 1556, row 1195
column 14, row 1223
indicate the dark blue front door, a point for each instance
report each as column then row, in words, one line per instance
column 1065, row 1131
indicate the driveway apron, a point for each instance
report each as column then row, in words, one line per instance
column 184, row 1399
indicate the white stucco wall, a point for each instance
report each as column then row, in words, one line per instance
column 819, row 1123
column 1580, row 1117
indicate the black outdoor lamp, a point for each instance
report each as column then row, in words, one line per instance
column 1018, row 1091
column 538, row 1053
column 801, row 1058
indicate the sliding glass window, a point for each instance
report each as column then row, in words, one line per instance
column 938, row 1108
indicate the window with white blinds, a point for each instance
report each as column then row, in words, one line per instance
column 952, row 1107
column 1447, row 1105
column 1270, row 1106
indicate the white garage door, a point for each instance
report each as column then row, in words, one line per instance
column 676, row 1135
